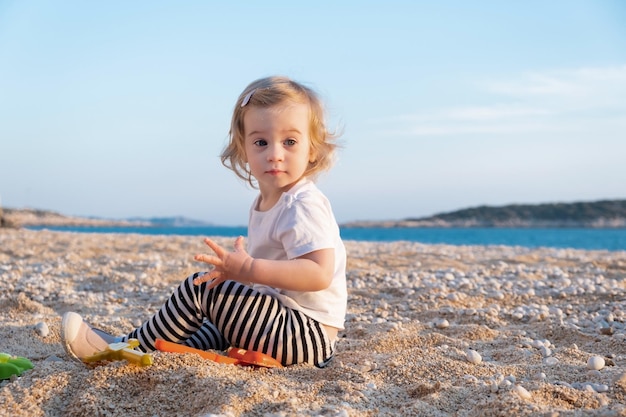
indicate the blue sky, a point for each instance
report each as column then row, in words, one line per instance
column 119, row 109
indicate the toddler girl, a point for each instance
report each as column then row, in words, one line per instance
column 285, row 295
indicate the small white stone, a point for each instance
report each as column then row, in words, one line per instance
column 473, row 356
column 522, row 392
column 493, row 387
column 537, row 344
column 545, row 351
column 505, row 383
column 595, row 363
column 442, row 324
column 589, row 388
column 42, row 329
column 471, row 379
column 551, row 361
column 367, row 366
column 594, row 373
column 511, row 378
column 453, row 297
column 600, row 387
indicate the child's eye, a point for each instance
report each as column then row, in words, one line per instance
column 290, row 142
column 260, row 142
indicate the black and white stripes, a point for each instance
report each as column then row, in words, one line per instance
column 234, row 314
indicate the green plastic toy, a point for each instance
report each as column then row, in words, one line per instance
column 13, row 365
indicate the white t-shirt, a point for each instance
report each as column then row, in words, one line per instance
column 301, row 222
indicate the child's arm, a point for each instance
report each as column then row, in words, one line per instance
column 310, row 272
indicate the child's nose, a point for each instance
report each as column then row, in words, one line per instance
column 276, row 153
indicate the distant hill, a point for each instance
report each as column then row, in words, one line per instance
column 597, row 214
column 606, row 213
column 35, row 217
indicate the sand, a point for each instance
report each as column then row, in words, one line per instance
column 535, row 317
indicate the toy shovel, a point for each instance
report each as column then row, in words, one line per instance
column 235, row 356
column 122, row 351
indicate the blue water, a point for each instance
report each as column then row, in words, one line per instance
column 609, row 239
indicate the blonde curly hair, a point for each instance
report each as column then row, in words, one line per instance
column 272, row 91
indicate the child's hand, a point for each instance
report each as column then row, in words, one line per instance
column 234, row 265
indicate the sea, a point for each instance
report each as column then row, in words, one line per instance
column 589, row 239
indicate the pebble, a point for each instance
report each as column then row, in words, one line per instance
column 367, row 366
column 543, row 292
column 607, row 331
column 42, row 329
column 551, row 361
column 594, row 373
column 505, row 383
column 493, row 387
column 600, row 387
column 522, row 392
column 589, row 388
column 442, row 324
column 471, row 379
column 473, row 356
column 595, row 363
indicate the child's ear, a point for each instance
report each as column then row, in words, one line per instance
column 312, row 155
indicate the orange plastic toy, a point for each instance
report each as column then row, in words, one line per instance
column 235, row 356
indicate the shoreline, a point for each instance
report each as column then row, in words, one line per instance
column 33, row 217
column 18, row 218
column 535, row 317
column 585, row 239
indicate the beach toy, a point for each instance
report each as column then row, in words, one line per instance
column 251, row 357
column 13, row 365
column 120, row 351
column 235, row 356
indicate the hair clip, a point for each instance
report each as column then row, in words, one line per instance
column 246, row 99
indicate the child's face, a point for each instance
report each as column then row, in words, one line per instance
column 277, row 145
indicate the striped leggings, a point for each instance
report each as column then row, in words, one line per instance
column 234, row 314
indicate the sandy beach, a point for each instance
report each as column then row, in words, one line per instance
column 432, row 330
